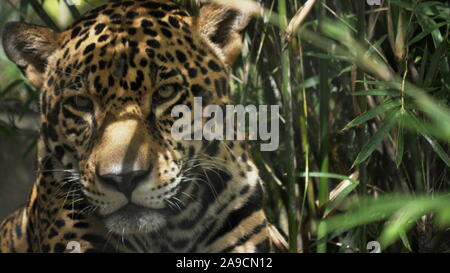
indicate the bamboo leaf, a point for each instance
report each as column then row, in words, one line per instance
column 405, row 240
column 425, row 33
column 424, row 131
column 391, row 85
column 339, row 193
column 400, row 222
column 326, row 56
column 377, row 92
column 438, row 149
column 372, row 113
column 402, row 209
column 435, row 60
column 399, row 147
column 377, row 44
column 309, row 82
column 376, row 139
column 423, row 64
column 428, row 23
column 328, row 175
column 412, row 210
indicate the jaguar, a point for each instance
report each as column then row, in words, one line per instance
column 110, row 177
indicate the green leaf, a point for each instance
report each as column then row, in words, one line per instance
column 326, row 56
column 377, row 92
column 423, row 63
column 403, row 211
column 321, row 232
column 377, row 138
column 425, row 33
column 309, row 82
column 434, row 63
column 405, row 217
column 377, row 44
column 400, row 145
column 426, row 127
column 365, row 211
column 392, row 85
column 424, row 130
column 343, row 193
column 428, row 23
column 438, row 149
column 372, row 113
column 402, row 221
column 405, row 240
column 328, row 175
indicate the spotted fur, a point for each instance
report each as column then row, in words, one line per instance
column 110, row 176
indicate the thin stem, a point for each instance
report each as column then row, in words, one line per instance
column 289, row 133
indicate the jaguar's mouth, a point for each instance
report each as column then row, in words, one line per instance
column 133, row 219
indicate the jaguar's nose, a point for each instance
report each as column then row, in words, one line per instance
column 123, row 182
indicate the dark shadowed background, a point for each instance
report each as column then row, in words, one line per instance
column 16, row 175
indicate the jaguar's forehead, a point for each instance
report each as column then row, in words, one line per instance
column 121, row 13
column 132, row 38
column 130, row 21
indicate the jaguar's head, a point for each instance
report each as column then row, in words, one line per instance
column 108, row 85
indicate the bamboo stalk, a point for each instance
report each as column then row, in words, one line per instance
column 286, row 90
column 324, row 113
column 361, row 134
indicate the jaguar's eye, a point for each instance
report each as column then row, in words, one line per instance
column 164, row 95
column 166, row 91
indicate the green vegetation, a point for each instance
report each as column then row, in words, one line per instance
column 364, row 92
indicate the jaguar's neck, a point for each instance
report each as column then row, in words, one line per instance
column 57, row 213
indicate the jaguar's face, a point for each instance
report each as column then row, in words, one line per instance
column 107, row 91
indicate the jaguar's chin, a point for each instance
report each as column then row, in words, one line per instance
column 133, row 219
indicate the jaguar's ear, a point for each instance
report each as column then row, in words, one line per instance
column 223, row 25
column 29, row 46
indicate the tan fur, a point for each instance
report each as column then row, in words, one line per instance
column 216, row 18
column 29, row 47
column 102, row 127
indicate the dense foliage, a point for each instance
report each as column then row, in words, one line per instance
column 364, row 92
